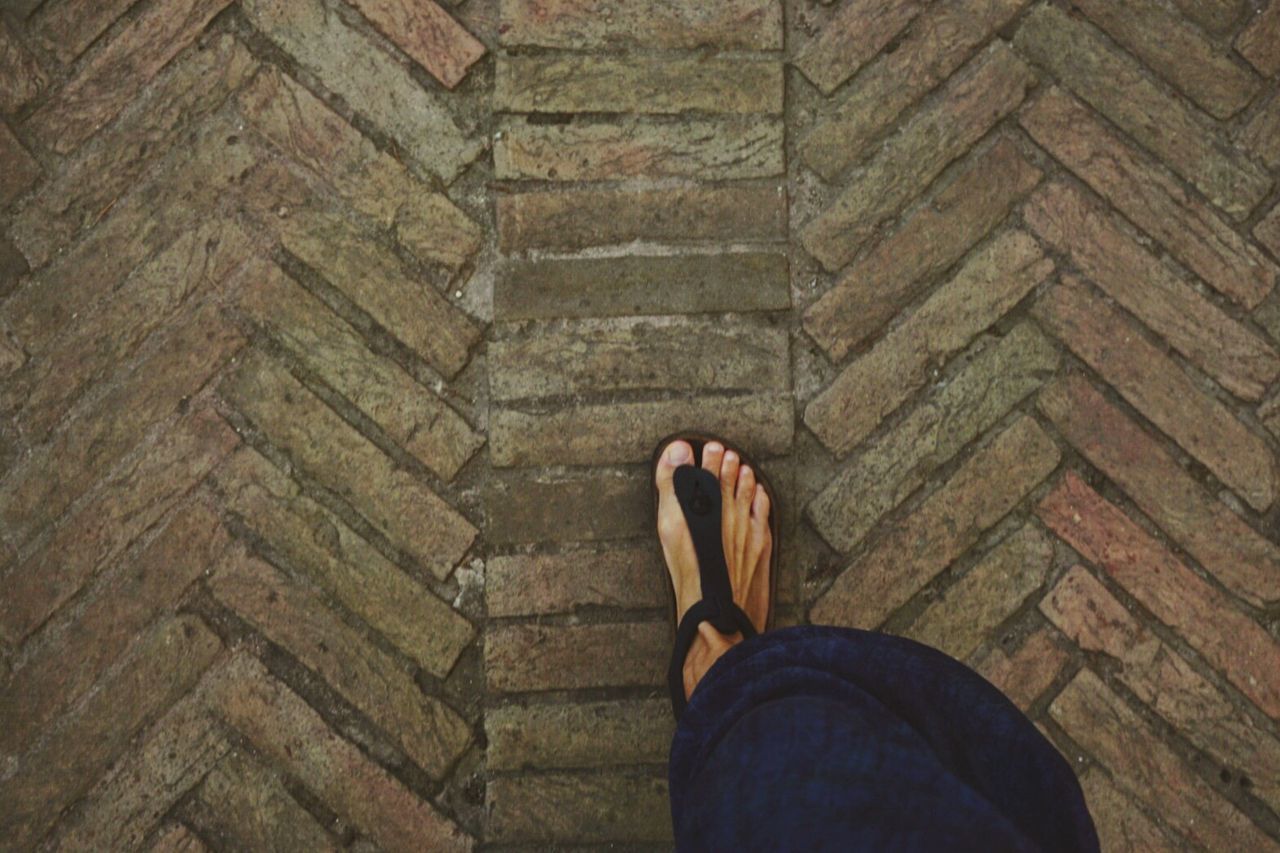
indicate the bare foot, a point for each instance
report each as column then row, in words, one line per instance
column 747, row 540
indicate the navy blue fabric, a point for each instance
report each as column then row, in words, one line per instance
column 817, row 738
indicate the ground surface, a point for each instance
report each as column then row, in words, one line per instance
column 335, row 336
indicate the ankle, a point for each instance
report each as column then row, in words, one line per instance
column 708, row 647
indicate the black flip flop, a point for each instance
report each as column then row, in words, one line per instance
column 698, row 492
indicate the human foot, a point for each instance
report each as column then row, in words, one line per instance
column 746, row 538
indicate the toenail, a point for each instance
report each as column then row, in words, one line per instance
column 730, row 456
column 678, row 452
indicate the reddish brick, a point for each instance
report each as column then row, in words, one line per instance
column 1260, row 41
column 1228, row 639
column 936, row 235
column 529, row 584
column 427, row 729
column 1148, row 770
column 1083, row 609
column 66, row 27
column 286, row 730
column 243, row 804
column 994, row 279
column 109, row 427
column 984, row 91
column 590, row 505
column 411, row 414
column 18, row 170
column 1159, row 389
column 176, row 838
column 1117, row 85
column 115, row 75
column 1029, row 671
column 521, row 658
column 368, row 584
column 933, row 46
column 139, row 590
column 580, row 219
column 165, row 664
column 342, row 460
column 601, row 24
column 21, row 77
column 428, row 34
column 550, row 808
column 1242, row 559
column 1178, row 51
column 592, row 734
column 587, row 83
column 915, row 550
column 1121, row 825
column 854, row 35
column 1151, row 197
column 132, row 499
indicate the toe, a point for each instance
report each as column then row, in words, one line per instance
column 760, row 530
column 674, row 455
column 746, row 489
column 729, row 475
column 712, row 455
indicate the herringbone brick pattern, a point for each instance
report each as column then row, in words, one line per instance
column 335, row 334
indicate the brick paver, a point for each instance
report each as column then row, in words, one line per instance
column 335, row 334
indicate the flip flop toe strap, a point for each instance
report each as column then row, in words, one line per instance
column 698, row 492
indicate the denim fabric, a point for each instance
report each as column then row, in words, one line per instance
column 815, row 738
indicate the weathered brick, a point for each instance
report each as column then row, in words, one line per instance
column 994, row 279
column 66, row 27
column 426, row 33
column 521, row 658
column 1216, row 16
column 13, row 265
column 1268, row 230
column 342, row 460
column 853, row 35
column 176, row 838
column 90, row 444
column 367, row 584
column 371, row 81
column 579, row 506
column 1260, row 41
column 935, row 236
column 198, row 175
column 933, row 46
column 981, row 492
column 1262, row 134
column 562, row 807
column 412, row 310
column 142, row 786
column 18, row 170
column 1243, row 560
column 1177, row 51
column 21, row 77
column 1083, row 609
column 590, row 83
column 545, row 360
column 131, row 597
column 1121, row 826
column 194, row 267
column 983, row 92
column 638, row 147
column 244, row 805
column 283, row 727
column 1118, row 87
column 1160, row 389
column 1142, row 189
column 411, row 414
column 165, row 663
column 570, row 220
column 303, row 126
column 1242, row 361
column 533, row 584
column 116, row 74
column 1148, row 770
column 986, row 594
column 619, row 432
column 896, row 463
column 427, row 729
column 131, row 500
column 1227, row 638
column 593, row 734
column 1029, row 671
column 641, row 284
column 608, row 24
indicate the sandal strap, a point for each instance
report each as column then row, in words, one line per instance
column 698, row 492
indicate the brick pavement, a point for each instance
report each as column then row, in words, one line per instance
column 334, row 335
